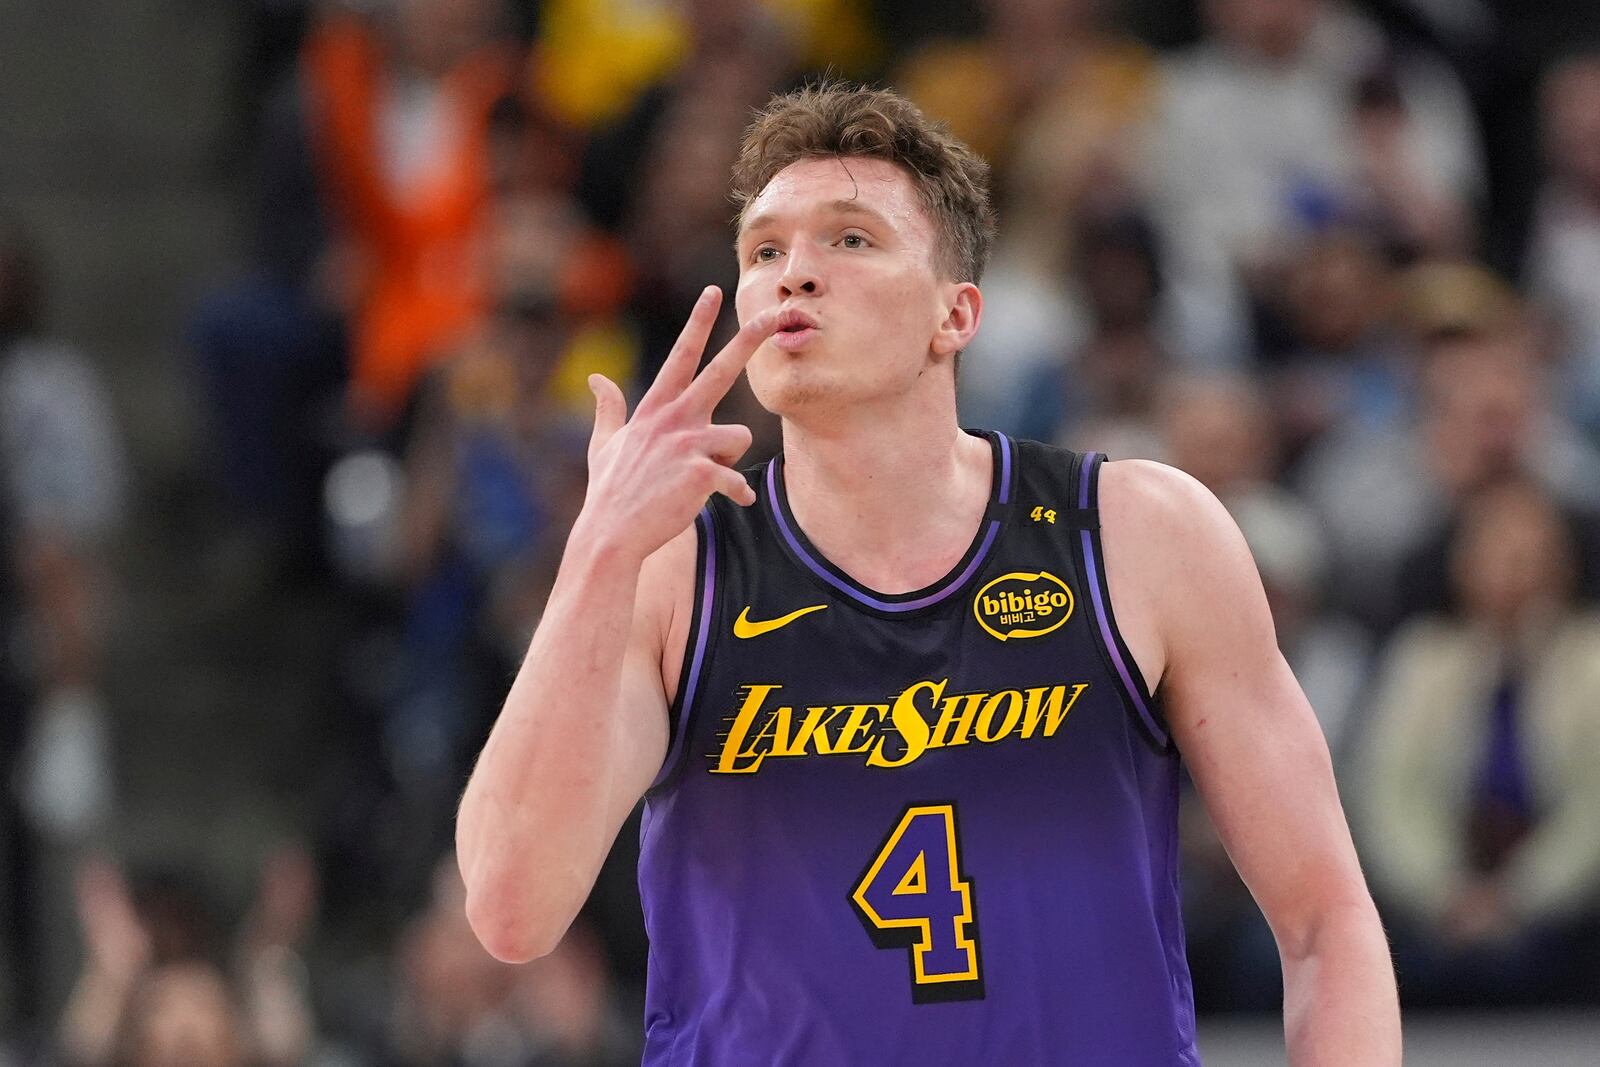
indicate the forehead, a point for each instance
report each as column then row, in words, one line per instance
column 816, row 185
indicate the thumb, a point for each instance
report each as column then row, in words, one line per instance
column 610, row 410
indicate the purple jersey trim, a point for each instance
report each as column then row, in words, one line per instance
column 855, row 593
column 1102, row 612
column 707, row 600
column 1005, row 467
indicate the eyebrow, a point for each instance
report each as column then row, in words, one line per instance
column 839, row 207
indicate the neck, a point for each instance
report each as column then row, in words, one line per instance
column 894, row 498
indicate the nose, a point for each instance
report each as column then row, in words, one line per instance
column 799, row 275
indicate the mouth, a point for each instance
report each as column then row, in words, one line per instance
column 794, row 339
column 795, row 329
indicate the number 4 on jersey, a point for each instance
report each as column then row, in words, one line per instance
column 913, row 895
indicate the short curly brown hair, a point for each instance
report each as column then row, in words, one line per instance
column 838, row 119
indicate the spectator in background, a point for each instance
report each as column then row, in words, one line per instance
column 598, row 58
column 1505, row 422
column 1564, row 256
column 457, row 1005
column 156, row 992
column 1341, row 365
column 1411, row 203
column 1035, row 58
column 271, row 347
column 496, row 459
column 659, row 177
column 62, row 474
column 1103, row 394
column 1481, row 776
column 567, row 1005
column 496, row 472
column 1289, row 115
column 1052, row 96
column 446, row 1003
column 451, row 546
column 400, row 107
column 1484, row 413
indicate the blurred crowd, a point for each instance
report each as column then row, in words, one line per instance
column 1280, row 244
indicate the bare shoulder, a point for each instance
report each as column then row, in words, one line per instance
column 665, row 603
column 1158, row 500
column 1174, row 557
column 1169, row 522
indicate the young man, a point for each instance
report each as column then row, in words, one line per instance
column 909, row 795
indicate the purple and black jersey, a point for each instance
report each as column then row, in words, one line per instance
column 928, row 827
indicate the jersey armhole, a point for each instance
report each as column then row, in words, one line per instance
column 1090, row 557
column 696, row 650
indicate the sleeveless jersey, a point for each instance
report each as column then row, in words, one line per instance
column 935, row 827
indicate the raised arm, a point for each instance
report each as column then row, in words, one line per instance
column 584, row 729
column 1195, row 616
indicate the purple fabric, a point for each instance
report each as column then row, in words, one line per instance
column 783, row 898
column 1102, row 612
column 1083, row 478
column 692, row 679
column 1005, row 467
column 1503, row 777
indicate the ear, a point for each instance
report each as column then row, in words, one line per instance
column 963, row 309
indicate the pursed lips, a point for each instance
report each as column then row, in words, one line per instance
column 795, row 328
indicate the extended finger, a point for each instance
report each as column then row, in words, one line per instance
column 677, row 371
column 726, row 444
column 731, row 484
column 713, row 383
column 610, row 411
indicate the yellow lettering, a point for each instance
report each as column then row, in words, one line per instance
column 807, row 730
column 856, row 725
column 775, row 731
column 986, row 730
column 956, row 719
column 757, row 732
column 733, row 746
column 1047, row 704
column 910, row 723
column 819, row 719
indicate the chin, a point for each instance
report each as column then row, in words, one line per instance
column 794, row 390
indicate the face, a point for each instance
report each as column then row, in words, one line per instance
column 845, row 248
column 1511, row 553
column 1336, row 294
column 1482, row 399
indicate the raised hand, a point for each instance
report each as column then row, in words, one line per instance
column 116, row 943
column 649, row 475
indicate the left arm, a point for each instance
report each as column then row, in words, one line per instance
column 1194, row 614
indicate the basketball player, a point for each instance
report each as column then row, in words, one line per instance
column 906, row 703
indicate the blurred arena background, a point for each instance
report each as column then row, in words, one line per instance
column 296, row 303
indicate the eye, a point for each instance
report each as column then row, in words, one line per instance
column 764, row 254
column 853, row 240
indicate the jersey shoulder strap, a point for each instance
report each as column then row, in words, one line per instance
column 1074, row 479
column 730, row 545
